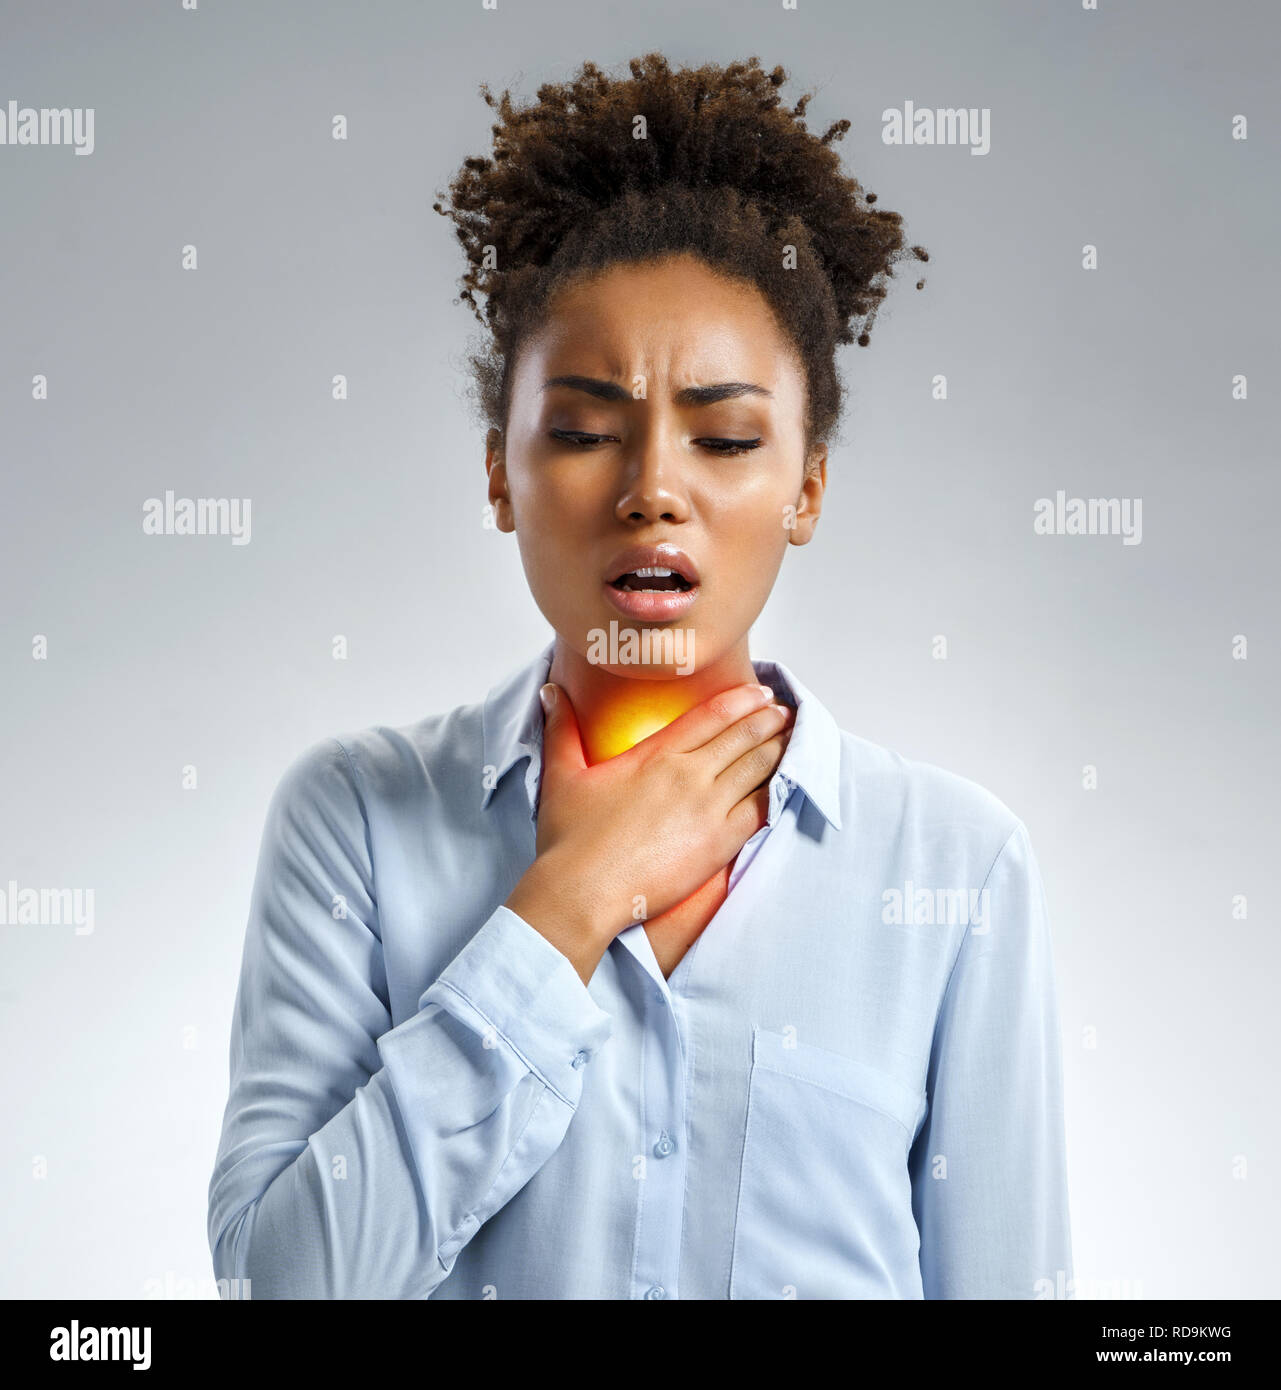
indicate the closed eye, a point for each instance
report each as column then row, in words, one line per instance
column 581, row 437
column 719, row 446
column 730, row 446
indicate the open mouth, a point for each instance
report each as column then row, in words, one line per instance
column 652, row 579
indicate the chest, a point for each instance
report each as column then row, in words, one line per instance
column 673, row 932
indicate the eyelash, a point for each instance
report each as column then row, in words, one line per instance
column 724, row 447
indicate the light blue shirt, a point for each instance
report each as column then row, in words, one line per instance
column 849, row 1088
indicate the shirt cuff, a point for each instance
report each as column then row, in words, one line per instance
column 510, row 978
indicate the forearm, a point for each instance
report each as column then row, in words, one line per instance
column 561, row 905
column 460, row 1106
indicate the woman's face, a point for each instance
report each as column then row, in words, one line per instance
column 657, row 404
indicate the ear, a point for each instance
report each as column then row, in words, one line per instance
column 809, row 505
column 496, row 468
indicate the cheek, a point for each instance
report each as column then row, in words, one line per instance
column 551, row 518
column 756, row 522
column 555, row 494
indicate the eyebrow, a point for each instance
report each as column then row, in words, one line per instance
column 689, row 395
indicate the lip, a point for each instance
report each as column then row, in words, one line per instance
column 664, row 555
column 652, row 606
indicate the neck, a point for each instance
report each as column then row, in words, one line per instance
column 615, row 712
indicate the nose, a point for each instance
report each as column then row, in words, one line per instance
column 653, row 488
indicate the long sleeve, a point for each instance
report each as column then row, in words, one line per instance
column 988, row 1169
column 357, row 1159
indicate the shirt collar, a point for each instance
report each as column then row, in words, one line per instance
column 512, row 729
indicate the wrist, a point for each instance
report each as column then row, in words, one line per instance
column 557, row 900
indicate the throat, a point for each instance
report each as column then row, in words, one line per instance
column 618, row 707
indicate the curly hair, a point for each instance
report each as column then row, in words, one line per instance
column 704, row 160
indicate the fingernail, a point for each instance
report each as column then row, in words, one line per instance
column 766, row 691
column 548, row 696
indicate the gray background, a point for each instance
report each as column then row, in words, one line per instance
column 316, row 257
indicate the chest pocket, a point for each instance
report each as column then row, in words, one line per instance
column 824, row 1197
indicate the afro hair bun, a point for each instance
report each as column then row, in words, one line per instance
column 705, row 160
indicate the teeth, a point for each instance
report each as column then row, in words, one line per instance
column 670, row 581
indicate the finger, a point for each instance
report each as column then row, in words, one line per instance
column 748, row 816
column 699, row 725
column 743, row 735
column 753, row 768
column 562, row 743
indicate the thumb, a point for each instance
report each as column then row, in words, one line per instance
column 562, row 743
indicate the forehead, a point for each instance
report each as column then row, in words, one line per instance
column 674, row 319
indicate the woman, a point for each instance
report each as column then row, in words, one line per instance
column 662, row 986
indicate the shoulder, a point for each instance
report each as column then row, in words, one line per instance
column 920, row 829
column 382, row 764
column 922, row 804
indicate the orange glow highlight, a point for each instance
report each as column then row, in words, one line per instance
column 626, row 718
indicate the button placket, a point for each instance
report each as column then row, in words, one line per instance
column 662, row 1199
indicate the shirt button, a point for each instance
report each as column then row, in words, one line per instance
column 579, row 1059
column 664, row 1146
column 658, row 1291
